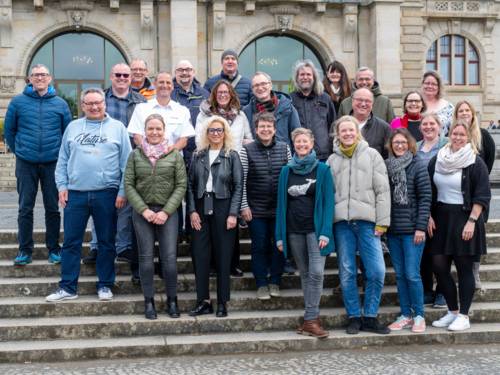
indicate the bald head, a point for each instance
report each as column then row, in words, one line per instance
column 184, row 74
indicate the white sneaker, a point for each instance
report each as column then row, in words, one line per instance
column 60, row 295
column 460, row 323
column 105, row 294
column 445, row 321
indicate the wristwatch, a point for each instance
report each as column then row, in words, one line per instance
column 472, row 219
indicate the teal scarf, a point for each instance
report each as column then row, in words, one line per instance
column 303, row 165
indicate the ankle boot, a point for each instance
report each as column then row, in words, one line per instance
column 172, row 307
column 313, row 328
column 149, row 308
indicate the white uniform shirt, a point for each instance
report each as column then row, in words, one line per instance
column 177, row 119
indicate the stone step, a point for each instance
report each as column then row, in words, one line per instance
column 89, row 305
column 231, row 343
column 41, row 286
column 109, row 326
column 9, row 236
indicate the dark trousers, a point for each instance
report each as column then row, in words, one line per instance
column 166, row 235
column 466, row 282
column 427, row 274
column 28, row 176
column 81, row 205
column 213, row 240
column 266, row 258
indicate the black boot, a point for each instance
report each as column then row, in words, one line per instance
column 149, row 308
column 172, row 308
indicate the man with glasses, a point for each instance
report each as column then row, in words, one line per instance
column 241, row 85
column 374, row 130
column 265, row 99
column 140, row 81
column 34, row 126
column 89, row 177
column 382, row 106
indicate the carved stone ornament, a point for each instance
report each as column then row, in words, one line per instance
column 219, row 22
column 76, row 12
column 7, row 83
column 38, row 4
column 249, row 7
column 320, row 8
column 147, row 23
column 114, row 5
column 455, row 26
column 350, row 27
column 5, row 23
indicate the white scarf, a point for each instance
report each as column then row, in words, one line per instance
column 449, row 162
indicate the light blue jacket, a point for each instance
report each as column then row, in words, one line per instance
column 93, row 156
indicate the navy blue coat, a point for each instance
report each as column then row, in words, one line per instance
column 34, row 125
column 243, row 88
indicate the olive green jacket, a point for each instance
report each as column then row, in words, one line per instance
column 162, row 185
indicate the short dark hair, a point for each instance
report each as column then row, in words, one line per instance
column 424, row 106
column 264, row 116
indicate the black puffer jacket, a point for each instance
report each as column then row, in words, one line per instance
column 263, row 166
column 227, row 177
column 406, row 219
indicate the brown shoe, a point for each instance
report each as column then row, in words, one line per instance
column 300, row 329
column 313, row 328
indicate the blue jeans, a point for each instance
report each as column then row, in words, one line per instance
column 81, row 205
column 349, row 237
column 266, row 258
column 406, row 256
column 124, row 228
column 311, row 265
column 28, row 176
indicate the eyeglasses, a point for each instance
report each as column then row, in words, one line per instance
column 138, row 70
column 262, row 84
column 222, row 93
column 40, row 75
column 433, row 84
column 91, row 104
column 215, row 131
column 120, row 75
column 413, row 101
column 399, row 143
column 366, row 101
column 184, row 70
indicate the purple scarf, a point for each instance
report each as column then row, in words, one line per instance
column 154, row 152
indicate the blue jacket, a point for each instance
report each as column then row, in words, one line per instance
column 191, row 100
column 243, row 88
column 34, row 125
column 287, row 118
column 324, row 207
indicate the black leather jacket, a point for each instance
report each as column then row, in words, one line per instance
column 227, row 176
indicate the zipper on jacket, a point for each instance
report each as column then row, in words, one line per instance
column 349, row 189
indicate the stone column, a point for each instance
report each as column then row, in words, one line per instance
column 386, row 15
column 184, row 31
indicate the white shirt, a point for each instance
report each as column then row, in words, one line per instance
column 212, row 155
column 449, row 187
column 177, row 119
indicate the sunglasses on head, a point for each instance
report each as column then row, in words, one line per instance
column 120, row 75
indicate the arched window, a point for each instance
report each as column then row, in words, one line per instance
column 276, row 55
column 456, row 59
column 78, row 61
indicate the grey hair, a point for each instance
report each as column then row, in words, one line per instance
column 301, row 64
column 37, row 66
column 163, row 72
column 141, row 60
column 92, row 90
column 365, row 69
column 260, row 73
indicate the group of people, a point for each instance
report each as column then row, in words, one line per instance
column 328, row 168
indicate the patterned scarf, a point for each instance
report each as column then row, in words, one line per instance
column 267, row 106
column 396, row 169
column 154, row 152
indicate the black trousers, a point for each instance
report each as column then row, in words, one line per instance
column 213, row 240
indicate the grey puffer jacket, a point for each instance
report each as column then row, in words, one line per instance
column 361, row 185
column 406, row 219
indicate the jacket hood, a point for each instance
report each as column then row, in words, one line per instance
column 375, row 88
column 362, row 145
column 30, row 91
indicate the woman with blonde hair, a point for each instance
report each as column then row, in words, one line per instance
column 215, row 188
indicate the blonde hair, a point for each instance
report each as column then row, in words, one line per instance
column 474, row 129
column 463, row 123
column 340, row 121
column 204, row 143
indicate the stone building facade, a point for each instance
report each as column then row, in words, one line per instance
column 399, row 39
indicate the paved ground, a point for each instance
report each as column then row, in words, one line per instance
column 411, row 360
column 8, row 210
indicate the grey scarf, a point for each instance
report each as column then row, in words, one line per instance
column 396, row 169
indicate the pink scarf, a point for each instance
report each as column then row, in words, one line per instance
column 154, row 152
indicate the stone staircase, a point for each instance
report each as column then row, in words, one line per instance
column 7, row 172
column 32, row 330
